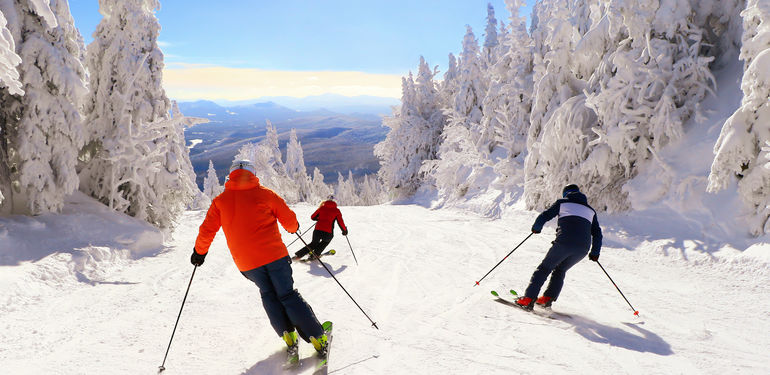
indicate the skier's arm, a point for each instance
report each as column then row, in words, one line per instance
column 285, row 215
column 208, row 230
column 341, row 223
column 315, row 214
column 546, row 215
column 596, row 233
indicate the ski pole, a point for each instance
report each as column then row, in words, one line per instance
column 161, row 368
column 506, row 257
column 338, row 282
column 311, row 227
column 636, row 312
column 351, row 250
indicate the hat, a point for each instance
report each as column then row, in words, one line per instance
column 244, row 164
column 569, row 189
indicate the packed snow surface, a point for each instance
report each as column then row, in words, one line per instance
column 90, row 292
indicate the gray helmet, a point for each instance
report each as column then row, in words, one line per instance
column 244, row 164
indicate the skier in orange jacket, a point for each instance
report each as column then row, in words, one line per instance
column 248, row 214
column 325, row 215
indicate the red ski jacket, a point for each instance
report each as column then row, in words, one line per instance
column 325, row 216
column 247, row 213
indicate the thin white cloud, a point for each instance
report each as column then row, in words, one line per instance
column 190, row 82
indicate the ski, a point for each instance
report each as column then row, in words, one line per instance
column 545, row 312
column 323, row 363
column 311, row 258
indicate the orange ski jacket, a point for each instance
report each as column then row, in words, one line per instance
column 247, row 213
column 325, row 215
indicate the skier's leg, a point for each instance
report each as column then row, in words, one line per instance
column 323, row 240
column 299, row 312
column 558, row 274
column 552, row 259
column 273, row 307
column 312, row 245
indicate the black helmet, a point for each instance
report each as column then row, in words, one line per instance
column 571, row 188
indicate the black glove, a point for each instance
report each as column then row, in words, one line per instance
column 594, row 258
column 535, row 231
column 344, row 232
column 197, row 259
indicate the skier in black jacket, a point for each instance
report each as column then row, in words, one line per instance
column 578, row 230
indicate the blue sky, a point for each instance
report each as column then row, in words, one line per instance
column 319, row 41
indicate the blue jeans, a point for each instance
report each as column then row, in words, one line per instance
column 283, row 304
column 557, row 261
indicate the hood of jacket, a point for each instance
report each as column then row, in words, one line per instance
column 241, row 179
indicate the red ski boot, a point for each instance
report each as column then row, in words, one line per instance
column 544, row 301
column 526, row 303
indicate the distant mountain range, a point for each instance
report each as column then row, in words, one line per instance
column 336, row 103
column 333, row 141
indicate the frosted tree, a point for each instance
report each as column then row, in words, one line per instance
column 346, row 192
column 42, row 130
column 449, row 86
column 211, row 186
column 743, row 148
column 558, row 90
column 271, row 142
column 489, row 55
column 320, row 191
column 371, row 191
column 295, row 166
column 270, row 168
column 508, row 103
column 136, row 160
column 9, row 76
column 458, row 154
column 414, row 134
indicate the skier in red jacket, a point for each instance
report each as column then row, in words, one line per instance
column 324, row 229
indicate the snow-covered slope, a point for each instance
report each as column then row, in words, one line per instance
column 112, row 309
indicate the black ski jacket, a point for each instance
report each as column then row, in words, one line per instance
column 577, row 226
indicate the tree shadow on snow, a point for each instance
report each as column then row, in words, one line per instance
column 642, row 341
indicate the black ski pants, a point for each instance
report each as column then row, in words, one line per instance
column 321, row 239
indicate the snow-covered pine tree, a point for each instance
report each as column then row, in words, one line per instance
column 211, row 186
column 372, row 192
column 489, row 52
column 414, row 134
column 270, row 168
column 743, row 148
column 320, row 191
column 508, row 103
column 295, row 167
column 449, row 86
column 9, row 76
column 460, row 163
column 136, row 160
column 346, row 192
column 554, row 38
column 394, row 157
column 42, row 131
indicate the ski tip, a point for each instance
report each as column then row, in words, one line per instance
column 494, row 293
column 514, row 292
column 332, row 252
